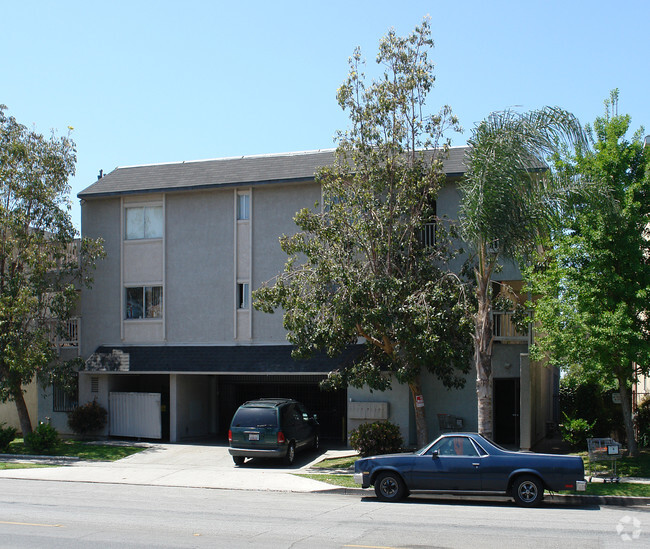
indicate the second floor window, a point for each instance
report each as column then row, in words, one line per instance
column 144, row 302
column 144, row 222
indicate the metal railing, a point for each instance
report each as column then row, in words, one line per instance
column 428, row 235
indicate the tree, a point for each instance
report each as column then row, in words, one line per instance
column 39, row 266
column 359, row 268
column 595, row 281
column 509, row 202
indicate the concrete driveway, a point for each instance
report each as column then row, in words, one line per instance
column 188, row 465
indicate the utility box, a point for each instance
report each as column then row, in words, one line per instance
column 368, row 410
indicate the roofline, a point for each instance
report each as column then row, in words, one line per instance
column 242, row 157
column 211, row 186
column 83, row 195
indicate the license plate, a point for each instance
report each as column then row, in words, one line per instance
column 253, row 436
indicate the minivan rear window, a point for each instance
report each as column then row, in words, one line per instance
column 255, row 417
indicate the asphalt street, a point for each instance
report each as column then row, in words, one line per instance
column 35, row 513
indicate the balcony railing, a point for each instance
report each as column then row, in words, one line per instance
column 505, row 331
column 70, row 336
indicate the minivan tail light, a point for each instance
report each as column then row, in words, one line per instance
column 229, row 435
column 281, row 438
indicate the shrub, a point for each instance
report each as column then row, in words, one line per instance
column 592, row 401
column 576, row 431
column 380, row 437
column 87, row 418
column 42, row 440
column 7, row 434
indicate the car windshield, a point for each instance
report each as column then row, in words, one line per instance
column 255, row 417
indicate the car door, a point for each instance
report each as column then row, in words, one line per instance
column 451, row 464
column 303, row 428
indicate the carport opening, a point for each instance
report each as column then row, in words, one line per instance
column 329, row 406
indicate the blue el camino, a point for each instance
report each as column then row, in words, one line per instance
column 470, row 463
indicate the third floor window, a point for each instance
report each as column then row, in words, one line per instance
column 144, row 222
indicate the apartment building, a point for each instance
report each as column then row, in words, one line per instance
column 172, row 344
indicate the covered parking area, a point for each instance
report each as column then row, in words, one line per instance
column 194, row 391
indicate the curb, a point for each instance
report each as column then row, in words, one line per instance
column 564, row 499
column 31, row 457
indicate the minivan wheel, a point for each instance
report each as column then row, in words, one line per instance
column 291, row 454
column 239, row 460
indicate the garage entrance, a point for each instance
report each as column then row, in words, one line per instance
column 329, row 406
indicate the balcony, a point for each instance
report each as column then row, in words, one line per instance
column 505, row 331
column 69, row 338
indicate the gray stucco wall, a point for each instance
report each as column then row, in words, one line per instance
column 100, row 305
column 273, row 211
column 199, row 283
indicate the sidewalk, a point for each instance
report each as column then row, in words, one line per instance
column 207, row 466
column 194, row 466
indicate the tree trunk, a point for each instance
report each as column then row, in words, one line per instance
column 23, row 412
column 420, row 416
column 483, row 350
column 484, row 394
column 626, row 407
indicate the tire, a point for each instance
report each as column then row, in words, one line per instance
column 291, row 454
column 527, row 491
column 239, row 460
column 389, row 486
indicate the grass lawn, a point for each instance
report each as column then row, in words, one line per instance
column 625, row 466
column 346, row 481
column 80, row 449
column 336, row 463
column 22, row 465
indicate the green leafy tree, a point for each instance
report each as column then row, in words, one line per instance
column 359, row 269
column 41, row 262
column 594, row 283
column 508, row 204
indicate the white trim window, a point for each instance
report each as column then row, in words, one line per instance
column 143, row 302
column 142, row 222
column 243, row 295
column 243, row 206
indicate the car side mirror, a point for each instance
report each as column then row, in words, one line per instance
column 434, row 454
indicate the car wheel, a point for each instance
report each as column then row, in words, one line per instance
column 239, row 460
column 390, row 487
column 527, row 491
column 291, row 454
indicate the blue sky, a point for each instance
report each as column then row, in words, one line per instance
column 145, row 82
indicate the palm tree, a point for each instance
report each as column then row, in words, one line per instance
column 509, row 200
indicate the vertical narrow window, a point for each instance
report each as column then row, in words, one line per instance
column 243, row 206
column 242, row 295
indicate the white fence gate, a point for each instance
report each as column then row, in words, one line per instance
column 135, row 415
